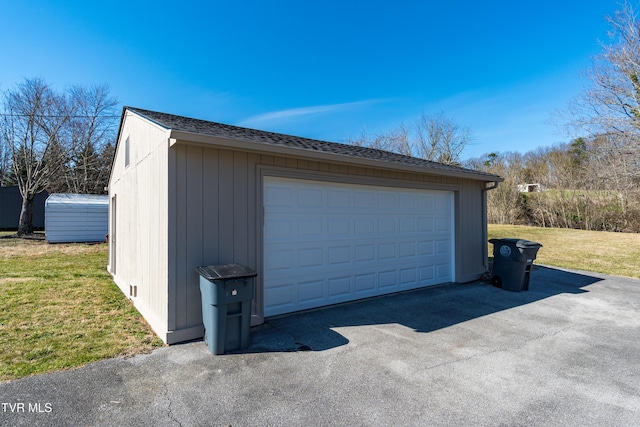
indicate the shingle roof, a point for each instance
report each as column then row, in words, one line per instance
column 204, row 127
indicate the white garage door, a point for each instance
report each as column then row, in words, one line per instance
column 326, row 243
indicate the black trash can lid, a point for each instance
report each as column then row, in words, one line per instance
column 226, row 271
column 518, row 243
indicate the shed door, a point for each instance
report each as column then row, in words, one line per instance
column 327, row 243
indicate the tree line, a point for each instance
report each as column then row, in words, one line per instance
column 58, row 141
column 590, row 184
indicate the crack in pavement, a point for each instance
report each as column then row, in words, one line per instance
column 169, row 406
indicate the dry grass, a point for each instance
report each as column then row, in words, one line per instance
column 60, row 309
column 604, row 252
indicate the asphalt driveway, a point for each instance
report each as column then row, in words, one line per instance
column 567, row 352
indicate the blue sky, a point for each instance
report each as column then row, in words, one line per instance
column 326, row 69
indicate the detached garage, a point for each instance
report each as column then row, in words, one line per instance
column 322, row 223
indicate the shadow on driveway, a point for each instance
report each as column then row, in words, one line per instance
column 423, row 310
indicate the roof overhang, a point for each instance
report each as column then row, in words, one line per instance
column 191, row 138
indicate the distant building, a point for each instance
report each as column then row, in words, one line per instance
column 76, row 218
column 11, row 205
column 529, row 188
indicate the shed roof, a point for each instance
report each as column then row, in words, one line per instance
column 306, row 146
column 77, row 199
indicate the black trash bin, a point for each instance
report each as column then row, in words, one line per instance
column 512, row 261
column 227, row 291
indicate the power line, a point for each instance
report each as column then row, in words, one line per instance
column 59, row 117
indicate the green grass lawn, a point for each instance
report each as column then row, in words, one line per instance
column 60, row 309
column 610, row 253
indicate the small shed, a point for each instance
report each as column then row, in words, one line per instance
column 76, row 218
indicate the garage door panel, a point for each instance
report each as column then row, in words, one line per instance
column 339, row 255
column 365, row 283
column 310, row 198
column 364, row 253
column 311, row 291
column 313, row 257
column 365, row 227
column 426, row 203
column 327, row 243
column 278, row 195
column 339, row 199
column 443, row 270
column 339, row 286
column 278, row 229
column 443, row 224
column 408, row 275
column 406, row 202
column 443, row 247
column 387, row 251
column 407, row 249
column 387, row 226
column 280, row 296
column 338, row 227
column 387, row 202
column 426, row 247
column 312, row 228
column 425, row 224
column 387, row 279
column 364, row 199
column 427, row 273
column 407, row 225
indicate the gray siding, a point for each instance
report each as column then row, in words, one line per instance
column 215, row 222
column 217, row 215
column 184, row 204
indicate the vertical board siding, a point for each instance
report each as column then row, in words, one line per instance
column 141, row 190
column 194, row 234
column 240, row 208
column 226, row 214
column 470, row 232
column 180, row 302
column 210, row 214
column 218, row 216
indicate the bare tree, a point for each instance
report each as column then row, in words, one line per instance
column 32, row 118
column 607, row 114
column 436, row 138
column 396, row 141
column 439, row 138
column 90, row 129
column 610, row 105
column 56, row 141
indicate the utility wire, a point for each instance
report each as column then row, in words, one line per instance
column 59, row 117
